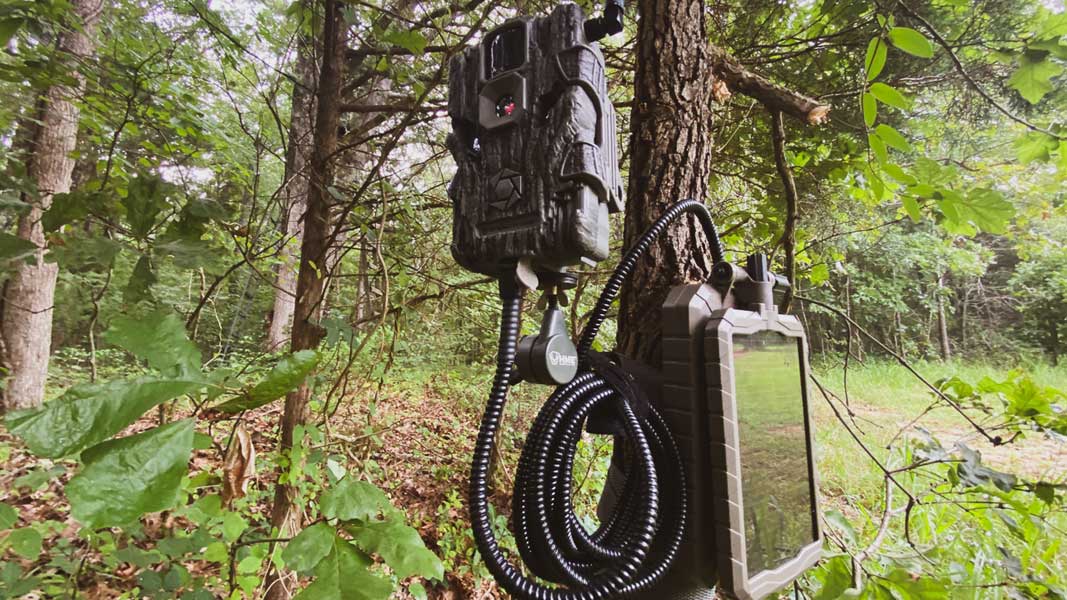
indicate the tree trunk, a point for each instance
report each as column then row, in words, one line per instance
column 670, row 149
column 26, row 317
column 294, row 195
column 942, row 321
column 307, row 333
column 1054, row 341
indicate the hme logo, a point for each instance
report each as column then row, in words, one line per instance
column 562, row 360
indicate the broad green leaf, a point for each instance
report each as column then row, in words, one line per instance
column 25, row 542
column 887, row 94
column 841, row 524
column 417, row 591
column 145, row 199
column 141, row 281
column 344, row 575
column 1035, row 146
column 233, row 525
column 892, row 137
column 400, row 547
column 286, row 376
column 125, row 478
column 159, row 338
column 9, row 515
column 309, row 547
column 875, row 60
column 410, row 40
column 988, row 210
column 870, row 109
column 1033, row 78
column 13, row 247
column 911, row 41
column 354, row 499
column 91, row 413
column 836, row 578
column 911, row 206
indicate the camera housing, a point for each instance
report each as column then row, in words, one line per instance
column 533, row 137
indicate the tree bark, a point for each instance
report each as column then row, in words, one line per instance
column 294, row 195
column 286, row 516
column 26, row 315
column 670, row 149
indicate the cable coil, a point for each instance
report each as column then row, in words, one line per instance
column 635, row 546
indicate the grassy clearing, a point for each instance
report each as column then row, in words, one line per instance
column 888, row 403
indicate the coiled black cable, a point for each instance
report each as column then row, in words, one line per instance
column 636, row 545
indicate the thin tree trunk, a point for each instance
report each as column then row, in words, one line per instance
column 294, row 195
column 286, row 515
column 792, row 199
column 28, row 296
column 671, row 147
column 942, row 321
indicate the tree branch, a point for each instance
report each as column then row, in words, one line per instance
column 775, row 97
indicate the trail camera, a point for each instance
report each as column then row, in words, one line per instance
column 735, row 396
column 533, row 137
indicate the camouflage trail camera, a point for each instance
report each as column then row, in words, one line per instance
column 533, row 137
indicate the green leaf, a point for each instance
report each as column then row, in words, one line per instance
column 77, row 251
column 917, row 586
column 159, row 338
column 25, row 542
column 9, row 515
column 286, row 376
column 841, row 524
column 1046, row 492
column 911, row 41
column 887, row 94
column 1033, row 78
column 870, row 109
column 409, row 40
column 343, row 575
column 875, row 60
column 125, row 478
column 417, row 591
column 911, row 206
column 354, row 499
column 881, row 153
column 13, row 247
column 91, row 413
column 145, row 199
column 309, row 547
column 233, row 525
column 837, row 577
column 892, row 137
column 1035, row 146
column 894, row 171
column 400, row 547
column 141, row 281
column 988, row 210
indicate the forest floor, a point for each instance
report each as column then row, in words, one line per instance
column 414, row 437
